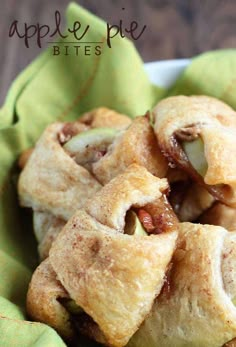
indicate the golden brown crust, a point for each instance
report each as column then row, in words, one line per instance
column 105, row 117
column 216, row 125
column 117, row 278
column 114, row 277
column 51, row 181
column 198, row 310
column 137, row 145
column 42, row 300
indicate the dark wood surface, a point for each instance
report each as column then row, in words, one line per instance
column 175, row 28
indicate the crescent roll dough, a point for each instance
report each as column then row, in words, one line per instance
column 42, row 302
column 136, row 145
column 197, row 310
column 105, row 117
column 114, row 277
column 205, row 127
column 52, row 181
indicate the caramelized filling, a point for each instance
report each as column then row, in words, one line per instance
column 177, row 157
column 158, row 217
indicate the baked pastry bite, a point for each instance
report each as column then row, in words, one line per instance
column 56, row 178
column 198, row 135
column 113, row 271
column 197, row 305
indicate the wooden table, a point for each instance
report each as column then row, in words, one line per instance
column 175, row 28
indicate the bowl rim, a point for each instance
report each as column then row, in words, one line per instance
column 164, row 73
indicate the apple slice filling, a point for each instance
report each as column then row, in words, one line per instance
column 154, row 218
column 189, row 152
column 90, row 145
column 195, row 153
column 133, row 225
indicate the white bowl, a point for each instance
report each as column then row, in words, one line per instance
column 164, row 73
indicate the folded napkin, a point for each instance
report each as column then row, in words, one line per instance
column 212, row 73
column 62, row 88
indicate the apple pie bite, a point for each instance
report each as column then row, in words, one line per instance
column 198, row 135
column 56, row 180
column 197, row 306
column 111, row 268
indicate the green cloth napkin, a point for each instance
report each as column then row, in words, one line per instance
column 212, row 73
column 62, row 88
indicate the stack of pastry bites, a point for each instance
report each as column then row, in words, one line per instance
column 121, row 212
